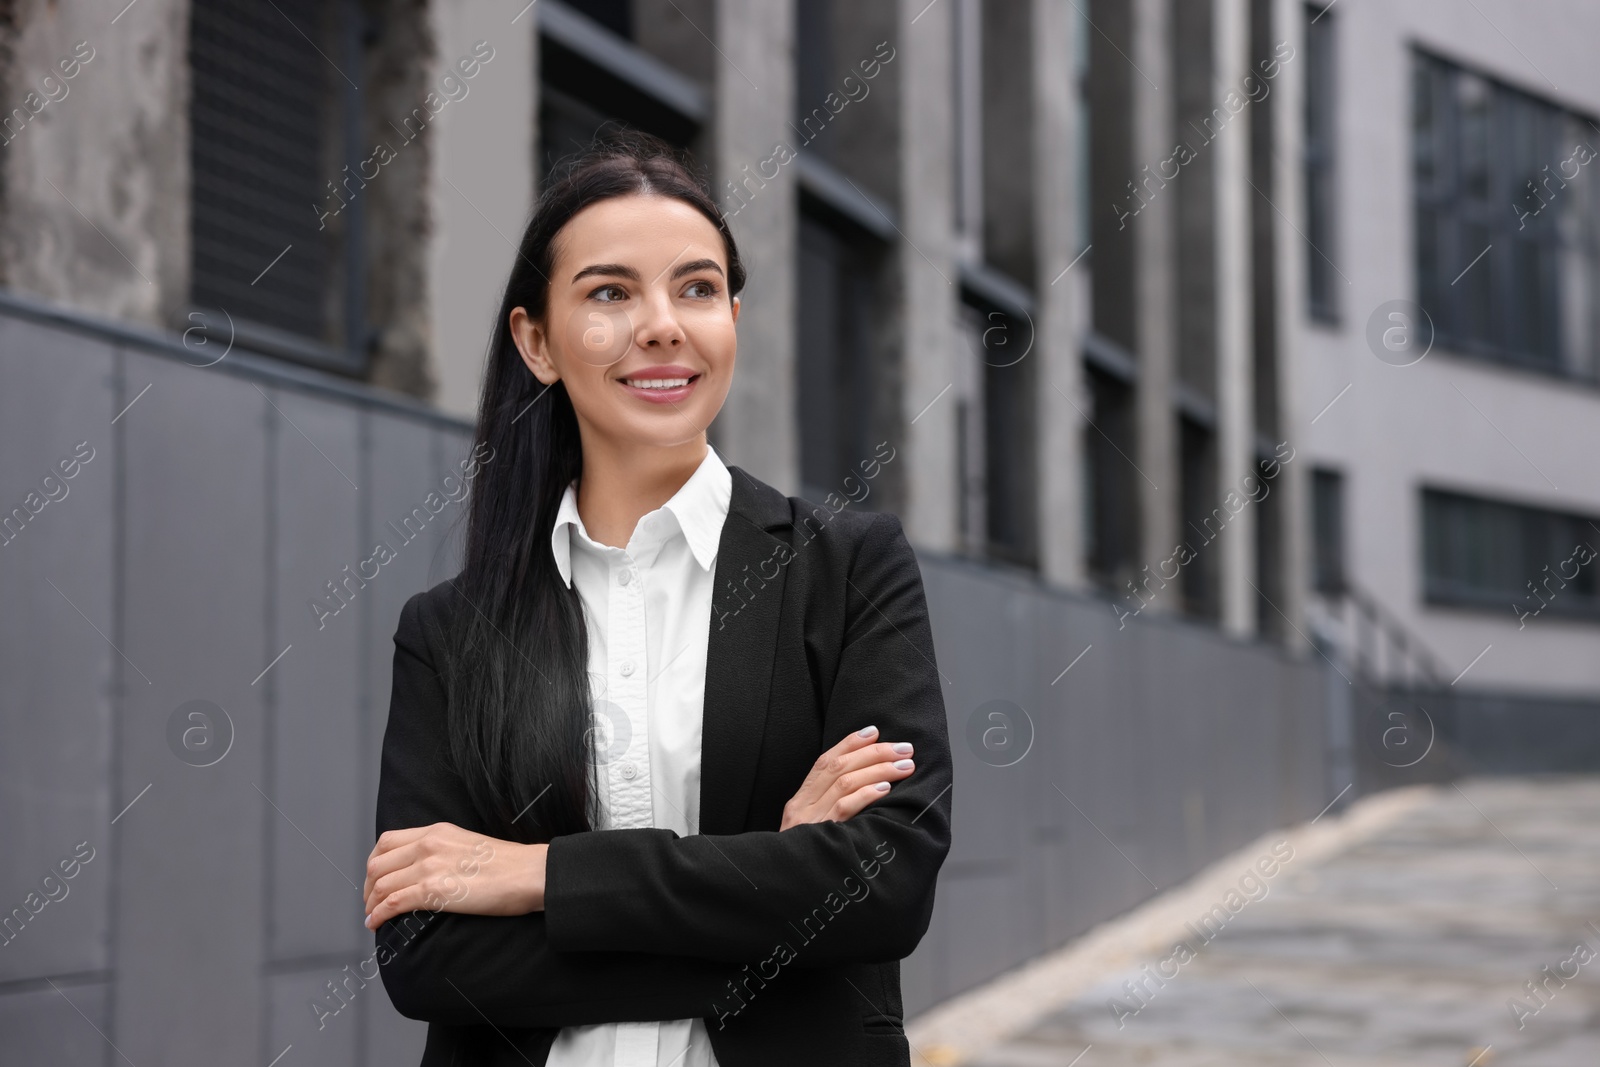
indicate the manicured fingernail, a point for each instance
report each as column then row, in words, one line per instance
column 367, row 922
column 902, row 765
column 867, row 731
column 903, row 747
column 882, row 787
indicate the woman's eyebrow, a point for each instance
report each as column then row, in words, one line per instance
column 611, row 269
column 696, row 265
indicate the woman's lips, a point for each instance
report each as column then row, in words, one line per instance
column 656, row 395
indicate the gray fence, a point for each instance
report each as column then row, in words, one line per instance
column 190, row 746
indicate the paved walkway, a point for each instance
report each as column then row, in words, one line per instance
column 1407, row 943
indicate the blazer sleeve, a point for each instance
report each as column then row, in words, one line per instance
column 818, row 894
column 468, row 969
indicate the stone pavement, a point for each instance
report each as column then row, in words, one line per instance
column 1462, row 929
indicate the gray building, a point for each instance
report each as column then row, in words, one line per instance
column 1456, row 225
column 1064, row 259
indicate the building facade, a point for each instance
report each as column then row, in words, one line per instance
column 968, row 236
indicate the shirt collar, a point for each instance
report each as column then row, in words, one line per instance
column 700, row 507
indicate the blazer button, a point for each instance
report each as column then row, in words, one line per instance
column 629, row 771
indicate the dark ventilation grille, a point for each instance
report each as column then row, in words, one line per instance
column 264, row 107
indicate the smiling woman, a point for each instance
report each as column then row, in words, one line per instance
column 663, row 803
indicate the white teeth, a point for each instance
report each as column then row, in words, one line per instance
column 656, row 383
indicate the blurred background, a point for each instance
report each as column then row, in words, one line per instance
column 1231, row 363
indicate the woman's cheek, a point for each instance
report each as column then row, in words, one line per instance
column 598, row 336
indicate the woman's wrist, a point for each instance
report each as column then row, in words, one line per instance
column 533, row 858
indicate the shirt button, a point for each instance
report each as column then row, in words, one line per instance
column 624, row 578
column 629, row 770
column 627, row 668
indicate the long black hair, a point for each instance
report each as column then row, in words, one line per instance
column 517, row 679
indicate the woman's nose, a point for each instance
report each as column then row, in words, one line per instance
column 658, row 324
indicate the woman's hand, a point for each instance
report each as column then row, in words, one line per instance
column 445, row 868
column 848, row 777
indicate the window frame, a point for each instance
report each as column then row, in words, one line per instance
column 203, row 314
column 1442, row 211
column 1319, row 156
column 1517, row 541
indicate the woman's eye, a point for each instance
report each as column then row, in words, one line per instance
column 701, row 289
column 609, row 294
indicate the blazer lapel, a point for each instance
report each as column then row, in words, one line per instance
column 746, row 606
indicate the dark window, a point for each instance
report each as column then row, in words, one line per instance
column 837, row 369
column 1010, row 493
column 275, row 215
column 1269, row 580
column 1320, row 138
column 996, row 464
column 614, row 15
column 592, row 74
column 1205, row 518
column 1490, row 554
column 1505, row 220
column 1327, row 532
column 815, row 77
column 1111, row 501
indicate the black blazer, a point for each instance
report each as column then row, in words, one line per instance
column 787, row 944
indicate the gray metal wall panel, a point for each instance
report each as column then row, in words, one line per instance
column 58, row 671
column 986, row 929
column 451, row 449
column 1061, row 639
column 1147, row 821
column 317, row 844
column 401, row 473
column 43, row 1026
column 190, row 907
column 988, row 829
column 1093, row 695
column 326, row 1038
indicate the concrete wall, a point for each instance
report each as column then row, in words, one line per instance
column 208, row 506
column 480, row 189
column 95, row 167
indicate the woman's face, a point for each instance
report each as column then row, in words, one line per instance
column 638, row 324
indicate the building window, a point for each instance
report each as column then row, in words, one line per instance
column 277, row 205
column 815, row 76
column 614, row 15
column 1204, row 518
column 995, row 396
column 838, row 372
column 1010, row 493
column 1327, row 532
column 966, row 141
column 1506, row 215
column 1320, row 138
column 592, row 72
column 1486, row 553
column 1269, row 581
column 1111, row 481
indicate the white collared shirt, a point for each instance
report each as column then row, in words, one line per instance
column 648, row 612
